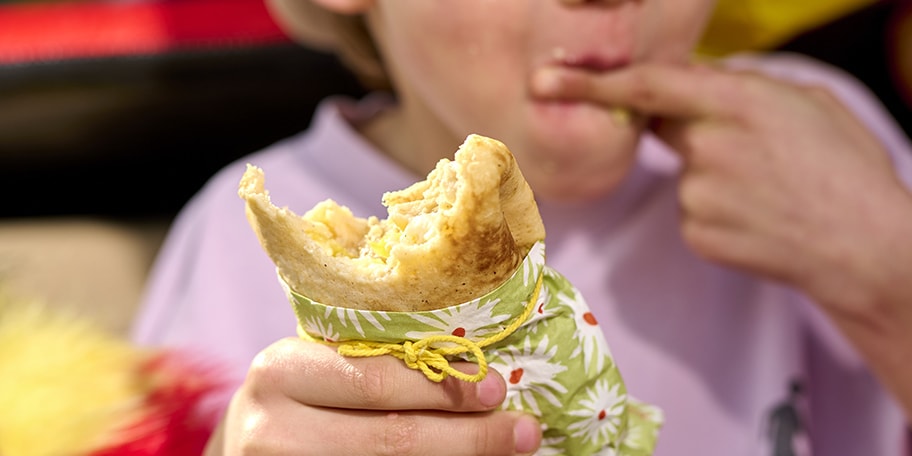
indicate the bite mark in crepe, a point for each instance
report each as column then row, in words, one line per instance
column 447, row 240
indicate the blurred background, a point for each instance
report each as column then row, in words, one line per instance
column 113, row 114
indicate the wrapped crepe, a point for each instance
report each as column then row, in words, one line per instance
column 457, row 271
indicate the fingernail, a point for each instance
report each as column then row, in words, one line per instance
column 490, row 391
column 546, row 81
column 526, row 434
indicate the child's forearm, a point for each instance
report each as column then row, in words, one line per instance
column 886, row 344
column 880, row 326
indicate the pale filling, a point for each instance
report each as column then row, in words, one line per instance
column 414, row 218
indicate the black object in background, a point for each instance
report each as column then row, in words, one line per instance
column 860, row 44
column 139, row 135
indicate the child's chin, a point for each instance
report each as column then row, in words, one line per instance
column 577, row 183
column 581, row 151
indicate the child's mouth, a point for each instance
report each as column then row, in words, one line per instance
column 588, row 62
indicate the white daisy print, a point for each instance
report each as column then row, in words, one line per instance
column 592, row 342
column 607, row 451
column 551, row 446
column 354, row 317
column 637, row 437
column 649, row 412
column 318, row 327
column 600, row 412
column 530, row 373
column 285, row 287
column 473, row 320
column 532, row 263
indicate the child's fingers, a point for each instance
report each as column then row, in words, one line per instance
column 315, row 375
column 421, row 433
column 656, row 89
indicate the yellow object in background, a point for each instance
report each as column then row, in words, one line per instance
column 69, row 388
column 740, row 25
column 66, row 387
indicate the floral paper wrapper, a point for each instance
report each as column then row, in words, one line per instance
column 557, row 364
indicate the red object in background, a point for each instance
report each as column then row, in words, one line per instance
column 92, row 29
column 171, row 421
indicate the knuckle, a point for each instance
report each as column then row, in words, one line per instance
column 485, row 440
column 693, row 234
column 826, row 99
column 641, row 89
column 371, row 386
column 692, row 194
column 701, row 155
column 699, row 237
column 398, row 436
column 820, row 92
column 254, row 438
column 739, row 89
column 748, row 90
column 493, row 435
column 266, row 372
column 262, row 374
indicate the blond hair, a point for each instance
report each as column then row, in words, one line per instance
column 345, row 35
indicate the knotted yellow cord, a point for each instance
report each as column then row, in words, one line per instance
column 426, row 356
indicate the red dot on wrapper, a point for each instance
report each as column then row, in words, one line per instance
column 601, row 415
column 516, row 375
column 589, row 318
column 459, row 332
column 541, row 308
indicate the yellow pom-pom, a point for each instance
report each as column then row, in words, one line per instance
column 65, row 385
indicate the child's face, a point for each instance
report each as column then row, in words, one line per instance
column 464, row 66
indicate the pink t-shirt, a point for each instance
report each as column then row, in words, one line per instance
column 715, row 349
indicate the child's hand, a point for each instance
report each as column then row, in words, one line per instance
column 304, row 398
column 778, row 179
column 784, row 181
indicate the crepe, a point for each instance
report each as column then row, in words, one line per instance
column 448, row 239
column 457, row 273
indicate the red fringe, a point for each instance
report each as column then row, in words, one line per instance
column 173, row 422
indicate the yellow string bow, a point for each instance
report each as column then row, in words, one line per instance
column 430, row 355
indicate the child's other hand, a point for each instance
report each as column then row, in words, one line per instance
column 778, row 179
column 304, row 398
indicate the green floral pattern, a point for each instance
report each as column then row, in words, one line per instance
column 557, row 364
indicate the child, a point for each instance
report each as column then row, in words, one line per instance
column 737, row 227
